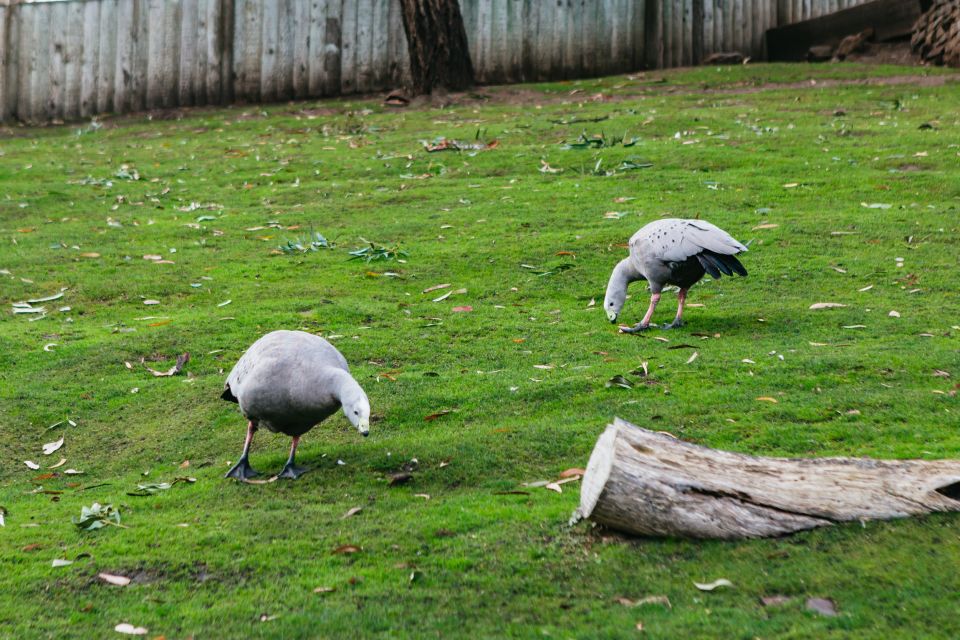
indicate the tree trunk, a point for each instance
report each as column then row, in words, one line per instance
column 649, row 483
column 437, row 42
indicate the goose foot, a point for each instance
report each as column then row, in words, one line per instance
column 242, row 470
column 637, row 328
column 676, row 324
column 292, row 471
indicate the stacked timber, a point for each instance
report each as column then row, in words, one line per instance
column 936, row 36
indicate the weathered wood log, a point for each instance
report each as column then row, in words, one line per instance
column 649, row 483
column 852, row 44
column 725, row 57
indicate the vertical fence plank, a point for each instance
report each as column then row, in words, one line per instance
column 48, row 80
column 106, row 66
column 27, row 60
column 380, row 46
column 348, row 46
column 156, row 44
column 247, row 46
column 13, row 60
column 300, row 78
column 572, row 43
column 315, row 70
column 222, row 62
column 5, row 16
column 124, row 48
column 479, row 38
column 89, row 58
column 185, row 35
column 204, row 34
column 269, row 33
column 285, row 43
column 499, row 54
column 333, row 47
column 529, row 40
column 363, row 45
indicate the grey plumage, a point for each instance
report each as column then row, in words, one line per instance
column 288, row 382
column 672, row 252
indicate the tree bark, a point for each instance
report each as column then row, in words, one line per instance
column 437, row 43
column 649, row 483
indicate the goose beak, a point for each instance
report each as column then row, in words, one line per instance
column 364, row 428
column 611, row 316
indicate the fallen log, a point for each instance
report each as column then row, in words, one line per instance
column 652, row 484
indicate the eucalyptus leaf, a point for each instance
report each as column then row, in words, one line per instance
column 97, row 516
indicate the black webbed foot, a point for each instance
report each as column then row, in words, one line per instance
column 292, row 471
column 242, row 470
column 637, row 328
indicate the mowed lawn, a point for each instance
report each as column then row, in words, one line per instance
column 847, row 191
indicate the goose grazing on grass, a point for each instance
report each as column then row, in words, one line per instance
column 287, row 382
column 671, row 251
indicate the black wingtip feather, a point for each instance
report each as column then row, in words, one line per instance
column 708, row 265
column 734, row 264
column 228, row 395
column 727, row 264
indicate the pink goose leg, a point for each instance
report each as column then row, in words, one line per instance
column 242, row 470
column 681, row 299
column 645, row 323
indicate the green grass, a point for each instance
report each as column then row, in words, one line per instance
column 209, row 559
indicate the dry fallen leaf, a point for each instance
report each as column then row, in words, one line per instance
column 351, row 512
column 710, row 586
column 464, row 309
column 50, row 447
column 120, row 581
column 129, row 629
column 572, row 473
column 346, row 549
column 172, row 371
column 434, row 416
column 894, row 314
column 823, row 606
column 765, row 226
column 772, row 601
column 866, row 288
column 61, row 562
column 854, row 326
column 31, row 464
column 768, row 399
column 62, row 462
column 324, row 589
column 436, row 287
column 399, row 478
column 553, row 486
column 692, row 358
column 826, row 305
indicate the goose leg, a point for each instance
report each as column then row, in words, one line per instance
column 645, row 323
column 242, row 470
column 290, row 470
column 677, row 322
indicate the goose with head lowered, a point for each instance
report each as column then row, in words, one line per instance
column 671, row 252
column 288, row 382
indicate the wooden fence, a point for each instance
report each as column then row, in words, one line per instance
column 71, row 59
